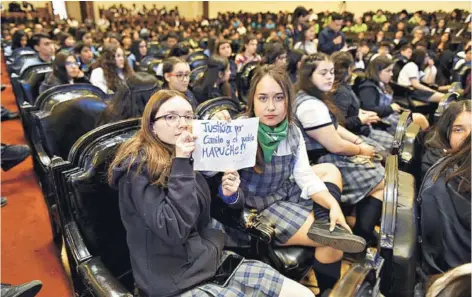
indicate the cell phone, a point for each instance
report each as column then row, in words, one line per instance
column 227, row 269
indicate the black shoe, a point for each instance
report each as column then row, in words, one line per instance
column 13, row 155
column 25, row 290
column 339, row 239
column 8, row 114
column 4, row 201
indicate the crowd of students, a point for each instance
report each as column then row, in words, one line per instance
column 320, row 140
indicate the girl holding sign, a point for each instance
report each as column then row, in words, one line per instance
column 165, row 208
column 283, row 186
column 327, row 142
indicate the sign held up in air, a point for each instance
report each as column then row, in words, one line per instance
column 222, row 145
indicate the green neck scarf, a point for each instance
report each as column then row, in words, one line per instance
column 269, row 138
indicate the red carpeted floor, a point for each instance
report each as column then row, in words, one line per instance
column 27, row 249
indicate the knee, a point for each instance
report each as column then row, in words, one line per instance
column 329, row 173
column 328, row 254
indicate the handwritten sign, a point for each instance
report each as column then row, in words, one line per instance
column 222, row 145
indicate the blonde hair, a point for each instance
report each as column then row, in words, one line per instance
column 155, row 154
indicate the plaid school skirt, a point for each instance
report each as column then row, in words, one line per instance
column 252, row 278
column 393, row 118
column 381, row 140
column 358, row 179
column 287, row 217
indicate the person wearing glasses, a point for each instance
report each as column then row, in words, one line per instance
column 176, row 74
column 139, row 51
column 175, row 246
column 65, row 71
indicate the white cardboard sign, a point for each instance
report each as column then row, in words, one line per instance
column 222, row 145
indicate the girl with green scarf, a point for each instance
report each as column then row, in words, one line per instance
column 285, row 189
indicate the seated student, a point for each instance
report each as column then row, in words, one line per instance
column 412, row 75
column 445, row 212
column 65, row 71
column 452, row 127
column 294, row 59
column 275, row 53
column 84, row 57
column 357, row 121
column 223, row 48
column 171, row 40
column 165, row 207
column 215, row 81
column 362, row 52
column 248, row 52
column 376, row 95
column 308, row 44
column 83, row 35
column 283, row 186
column 176, row 74
column 405, row 53
column 113, row 69
column 44, row 46
column 131, row 98
column 139, row 50
column 383, row 51
column 328, row 142
column 66, row 42
column 19, row 41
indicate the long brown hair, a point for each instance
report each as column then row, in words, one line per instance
column 375, row 67
column 305, row 83
column 110, row 71
column 280, row 76
column 457, row 166
column 153, row 153
column 439, row 135
column 343, row 61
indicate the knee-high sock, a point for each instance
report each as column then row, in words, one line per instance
column 327, row 274
column 368, row 212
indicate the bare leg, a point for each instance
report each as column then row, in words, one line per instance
column 291, row 288
column 328, row 173
column 436, row 97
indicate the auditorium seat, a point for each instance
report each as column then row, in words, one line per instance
column 54, row 133
column 398, row 232
column 30, row 80
column 243, row 80
column 90, row 218
column 197, row 59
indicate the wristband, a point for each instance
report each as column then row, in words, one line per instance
column 228, row 199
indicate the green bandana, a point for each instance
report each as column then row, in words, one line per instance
column 269, row 138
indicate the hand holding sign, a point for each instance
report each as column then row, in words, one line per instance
column 230, row 182
column 223, row 146
column 184, row 145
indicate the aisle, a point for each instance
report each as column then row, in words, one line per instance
column 27, row 250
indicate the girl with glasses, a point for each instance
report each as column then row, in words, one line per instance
column 176, row 74
column 65, row 71
column 165, row 208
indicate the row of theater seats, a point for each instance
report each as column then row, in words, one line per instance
column 71, row 155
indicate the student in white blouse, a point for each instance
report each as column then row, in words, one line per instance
column 112, row 71
column 412, row 75
column 307, row 42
